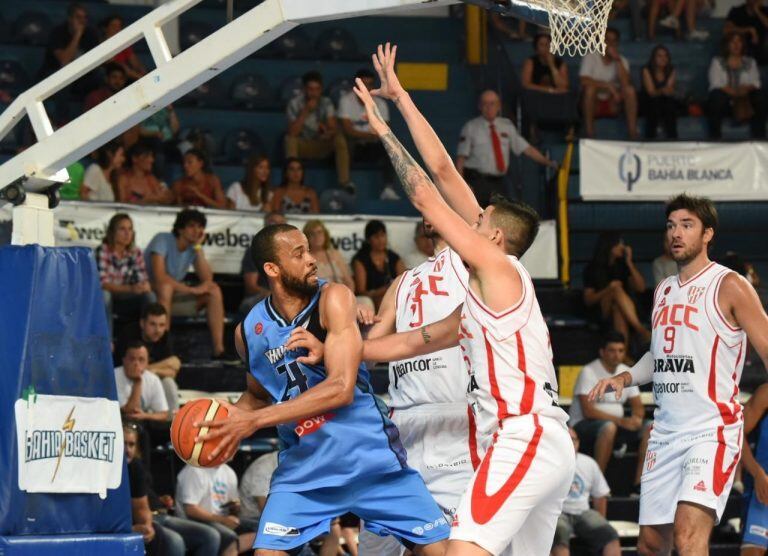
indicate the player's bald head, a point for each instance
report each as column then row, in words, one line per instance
column 518, row 222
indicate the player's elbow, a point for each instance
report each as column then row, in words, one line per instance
column 343, row 391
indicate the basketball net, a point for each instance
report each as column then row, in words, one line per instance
column 578, row 26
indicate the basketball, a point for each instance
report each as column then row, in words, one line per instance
column 183, row 432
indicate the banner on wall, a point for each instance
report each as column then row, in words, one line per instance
column 626, row 171
column 229, row 232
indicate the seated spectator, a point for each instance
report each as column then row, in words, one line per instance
column 137, row 184
column 139, row 391
column 254, row 485
column 292, row 196
column 658, row 94
column 734, row 88
column 607, row 86
column 588, row 524
column 209, row 495
column 255, row 191
column 123, row 274
column 171, row 254
column 664, row 265
column 126, row 58
column 546, row 95
column 152, row 329
column 425, row 248
column 313, row 133
column 199, row 186
column 114, row 81
column 160, row 131
column 609, row 278
column 100, row 179
column 374, row 265
column 71, row 189
column 749, row 21
column 68, row 41
column 599, row 423
column 331, row 265
column 255, row 283
column 672, row 21
column 363, row 144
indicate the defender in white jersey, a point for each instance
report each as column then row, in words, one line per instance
column 525, row 457
column 701, row 321
column 427, row 393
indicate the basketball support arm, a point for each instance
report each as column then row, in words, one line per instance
column 30, row 179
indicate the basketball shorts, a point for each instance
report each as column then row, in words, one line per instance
column 686, row 466
column 512, row 502
column 754, row 528
column 436, row 438
column 396, row 504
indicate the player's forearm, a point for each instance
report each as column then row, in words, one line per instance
column 642, row 372
column 427, row 142
column 403, row 345
column 416, row 184
column 330, row 394
column 250, row 402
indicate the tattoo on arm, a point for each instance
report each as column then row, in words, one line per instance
column 409, row 172
column 425, row 335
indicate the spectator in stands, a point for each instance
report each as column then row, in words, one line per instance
column 664, row 265
column 255, row 284
column 751, row 22
column 313, row 131
column 72, row 188
column 658, row 94
column 209, row 495
column 100, row 179
column 425, row 248
column 734, row 88
column 578, row 519
column 152, row 329
column 171, row 254
column 122, row 271
column 139, row 391
column 126, row 58
column 546, row 95
column 254, row 485
column 114, row 81
column 607, row 86
column 672, row 21
column 160, row 131
column 483, row 152
column 292, row 196
column 254, row 192
column 599, row 424
column 199, row 186
column 363, row 144
column 331, row 265
column 68, row 41
column 374, row 265
column 137, row 184
column 609, row 278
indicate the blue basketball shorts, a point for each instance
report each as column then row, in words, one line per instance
column 755, row 528
column 396, row 504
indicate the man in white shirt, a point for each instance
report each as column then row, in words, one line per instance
column 209, row 495
column 607, row 86
column 578, row 518
column 139, row 391
column 599, row 423
column 254, row 485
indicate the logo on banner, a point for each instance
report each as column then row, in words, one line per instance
column 629, row 168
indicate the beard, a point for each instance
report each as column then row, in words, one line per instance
column 689, row 253
column 300, row 287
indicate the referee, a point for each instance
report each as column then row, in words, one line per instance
column 483, row 153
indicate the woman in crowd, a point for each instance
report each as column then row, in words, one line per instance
column 375, row 266
column 255, row 191
column 609, row 278
column 137, row 184
column 293, row 197
column 199, row 186
column 123, row 274
column 127, row 58
column 734, row 87
column 331, row 265
column 100, row 178
column 658, row 94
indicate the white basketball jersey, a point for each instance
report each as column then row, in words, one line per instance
column 426, row 294
column 697, row 355
column 509, row 356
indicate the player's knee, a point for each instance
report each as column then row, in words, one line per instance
column 651, row 547
column 688, row 537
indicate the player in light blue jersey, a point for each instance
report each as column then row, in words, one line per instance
column 342, row 453
column 754, row 458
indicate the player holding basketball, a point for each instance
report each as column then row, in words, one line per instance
column 342, row 452
column 527, row 464
column 754, row 541
column 702, row 318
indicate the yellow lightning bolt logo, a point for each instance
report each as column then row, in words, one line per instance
column 69, row 424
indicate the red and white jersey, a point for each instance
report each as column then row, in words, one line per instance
column 697, row 355
column 426, row 294
column 509, row 358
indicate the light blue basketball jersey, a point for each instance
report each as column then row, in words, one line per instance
column 328, row 450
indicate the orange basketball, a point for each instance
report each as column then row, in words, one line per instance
column 183, row 432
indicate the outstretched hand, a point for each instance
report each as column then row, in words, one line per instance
column 375, row 119
column 384, row 64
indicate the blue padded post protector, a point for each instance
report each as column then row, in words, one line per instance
column 54, row 338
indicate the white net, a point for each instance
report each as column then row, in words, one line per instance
column 578, row 26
